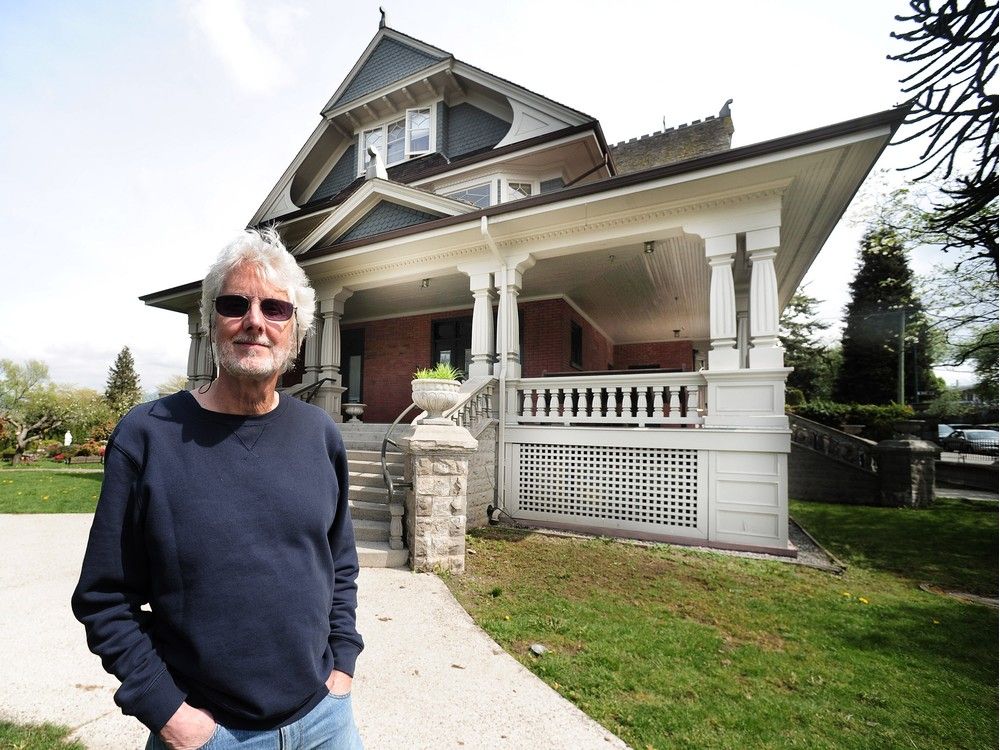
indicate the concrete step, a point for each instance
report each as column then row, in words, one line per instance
column 361, row 493
column 371, row 531
column 362, row 510
column 374, row 465
column 378, row 555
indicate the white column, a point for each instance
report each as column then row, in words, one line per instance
column 481, row 286
column 311, row 374
column 331, row 310
column 206, row 363
column 511, row 329
column 194, row 324
column 766, row 352
column 720, row 252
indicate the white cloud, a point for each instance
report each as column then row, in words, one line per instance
column 247, row 55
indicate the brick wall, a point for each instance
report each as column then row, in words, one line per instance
column 394, row 349
column 545, row 346
column 672, row 354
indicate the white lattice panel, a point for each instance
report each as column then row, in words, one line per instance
column 654, row 490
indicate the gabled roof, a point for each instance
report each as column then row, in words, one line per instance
column 414, row 206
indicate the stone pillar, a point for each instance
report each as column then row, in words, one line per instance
column 437, row 465
column 312, row 365
column 766, row 352
column 720, row 252
column 483, row 348
column 906, row 472
column 331, row 310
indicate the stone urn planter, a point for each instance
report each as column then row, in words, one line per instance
column 354, row 410
column 435, row 396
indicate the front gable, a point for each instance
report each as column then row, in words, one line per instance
column 390, row 60
column 385, row 217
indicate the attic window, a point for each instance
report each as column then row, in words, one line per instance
column 399, row 140
column 478, row 195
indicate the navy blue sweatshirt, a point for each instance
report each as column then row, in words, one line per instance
column 236, row 532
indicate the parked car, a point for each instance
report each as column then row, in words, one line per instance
column 985, row 442
column 944, row 430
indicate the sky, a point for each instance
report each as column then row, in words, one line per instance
column 136, row 139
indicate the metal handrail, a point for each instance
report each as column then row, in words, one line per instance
column 308, row 391
column 387, row 441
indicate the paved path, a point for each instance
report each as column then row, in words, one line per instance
column 428, row 678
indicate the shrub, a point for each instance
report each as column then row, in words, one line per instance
column 877, row 419
column 794, row 397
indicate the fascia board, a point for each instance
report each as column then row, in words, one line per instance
column 434, row 69
column 289, row 173
column 512, row 90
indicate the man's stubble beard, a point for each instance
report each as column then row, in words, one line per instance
column 256, row 365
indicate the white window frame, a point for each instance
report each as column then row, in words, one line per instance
column 384, row 127
column 499, row 185
column 478, row 183
column 509, row 178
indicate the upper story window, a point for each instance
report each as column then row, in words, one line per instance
column 478, row 195
column 517, row 190
column 399, row 140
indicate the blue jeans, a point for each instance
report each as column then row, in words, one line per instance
column 329, row 726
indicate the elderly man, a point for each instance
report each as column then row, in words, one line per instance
column 225, row 510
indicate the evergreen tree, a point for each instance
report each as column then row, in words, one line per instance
column 814, row 362
column 881, row 299
column 123, row 390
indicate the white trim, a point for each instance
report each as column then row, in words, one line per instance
column 417, row 77
column 568, row 300
column 424, row 311
column 284, row 182
column 383, row 125
column 327, row 167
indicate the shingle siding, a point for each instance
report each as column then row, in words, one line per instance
column 384, row 218
column 390, row 61
column 470, row 129
column 547, row 186
column 342, row 175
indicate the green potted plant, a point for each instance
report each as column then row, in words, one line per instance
column 435, row 390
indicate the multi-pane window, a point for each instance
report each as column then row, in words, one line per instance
column 517, row 190
column 477, row 195
column 398, row 140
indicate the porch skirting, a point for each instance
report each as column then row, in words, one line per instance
column 714, row 487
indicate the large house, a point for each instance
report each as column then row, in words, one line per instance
column 614, row 307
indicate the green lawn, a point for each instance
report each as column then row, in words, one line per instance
column 677, row 648
column 49, row 491
column 35, row 737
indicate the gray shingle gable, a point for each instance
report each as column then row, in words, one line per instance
column 390, row 61
column 385, row 217
column 470, row 129
column 342, row 175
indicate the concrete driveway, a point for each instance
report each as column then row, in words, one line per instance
column 428, row 678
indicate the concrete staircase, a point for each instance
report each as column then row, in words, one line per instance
column 368, row 497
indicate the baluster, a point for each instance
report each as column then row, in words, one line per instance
column 692, row 401
column 553, row 401
column 626, row 402
column 596, row 407
column 674, row 407
column 567, row 406
column 658, row 401
column 581, row 402
column 527, row 403
column 612, row 402
column 640, row 404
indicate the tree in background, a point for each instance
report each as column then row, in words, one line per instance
column 881, row 295
column 30, row 404
column 953, row 49
column 123, row 391
column 172, row 384
column 815, row 363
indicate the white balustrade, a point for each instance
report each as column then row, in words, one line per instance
column 638, row 400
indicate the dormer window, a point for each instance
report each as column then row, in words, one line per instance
column 399, row 140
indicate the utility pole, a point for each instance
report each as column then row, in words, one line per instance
column 902, row 356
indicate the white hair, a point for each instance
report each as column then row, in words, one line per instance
column 264, row 251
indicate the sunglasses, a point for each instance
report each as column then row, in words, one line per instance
column 236, row 306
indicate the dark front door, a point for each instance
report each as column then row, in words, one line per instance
column 453, row 343
column 352, row 355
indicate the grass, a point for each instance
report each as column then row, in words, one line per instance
column 49, row 491
column 46, row 464
column 953, row 544
column 679, row 648
column 35, row 737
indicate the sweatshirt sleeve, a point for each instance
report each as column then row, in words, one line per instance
column 114, row 583
column 345, row 641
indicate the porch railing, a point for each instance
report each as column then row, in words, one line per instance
column 834, row 443
column 634, row 400
column 477, row 407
